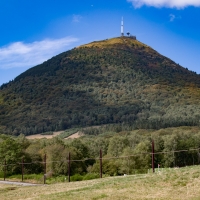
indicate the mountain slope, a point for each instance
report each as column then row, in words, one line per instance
column 110, row 81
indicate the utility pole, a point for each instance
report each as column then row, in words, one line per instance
column 100, row 159
column 153, row 169
column 69, row 167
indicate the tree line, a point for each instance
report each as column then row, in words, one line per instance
column 124, row 152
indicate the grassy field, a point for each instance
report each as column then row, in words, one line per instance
column 181, row 183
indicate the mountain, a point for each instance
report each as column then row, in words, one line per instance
column 118, row 80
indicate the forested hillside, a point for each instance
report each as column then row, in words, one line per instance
column 119, row 80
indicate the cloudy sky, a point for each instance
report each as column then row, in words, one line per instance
column 34, row 31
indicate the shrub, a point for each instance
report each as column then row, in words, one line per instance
column 76, row 177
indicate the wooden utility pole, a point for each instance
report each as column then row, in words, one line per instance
column 22, row 169
column 69, row 167
column 5, row 168
column 100, row 159
column 45, row 168
column 153, row 156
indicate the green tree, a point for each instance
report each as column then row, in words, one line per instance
column 12, row 152
column 117, row 145
column 142, row 157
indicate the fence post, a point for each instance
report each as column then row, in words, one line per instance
column 22, row 169
column 45, row 167
column 153, row 156
column 69, row 167
column 5, row 167
column 100, row 159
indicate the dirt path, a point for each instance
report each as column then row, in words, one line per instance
column 18, row 183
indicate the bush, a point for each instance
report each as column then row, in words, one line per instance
column 1, row 174
column 76, row 177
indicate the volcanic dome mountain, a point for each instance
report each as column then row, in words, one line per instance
column 119, row 80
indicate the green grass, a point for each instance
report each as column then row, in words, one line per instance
column 39, row 178
column 180, row 183
column 76, row 177
column 30, row 178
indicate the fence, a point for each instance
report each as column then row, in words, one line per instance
column 44, row 176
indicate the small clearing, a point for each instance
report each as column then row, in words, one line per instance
column 39, row 136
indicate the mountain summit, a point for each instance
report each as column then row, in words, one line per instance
column 119, row 80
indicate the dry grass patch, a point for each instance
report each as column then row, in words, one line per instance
column 40, row 136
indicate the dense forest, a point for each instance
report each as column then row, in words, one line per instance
column 114, row 81
column 124, row 152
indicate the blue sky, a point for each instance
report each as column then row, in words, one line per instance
column 34, row 31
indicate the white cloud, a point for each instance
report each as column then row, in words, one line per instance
column 165, row 3
column 20, row 54
column 77, row 18
column 172, row 17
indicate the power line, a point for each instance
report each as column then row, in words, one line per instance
column 105, row 158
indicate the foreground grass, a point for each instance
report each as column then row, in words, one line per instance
column 182, row 183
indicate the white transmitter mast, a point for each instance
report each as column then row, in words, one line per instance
column 122, row 27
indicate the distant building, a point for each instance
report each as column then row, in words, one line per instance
column 133, row 37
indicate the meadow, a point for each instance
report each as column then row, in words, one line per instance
column 169, row 183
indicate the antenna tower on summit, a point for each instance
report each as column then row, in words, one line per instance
column 122, row 27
